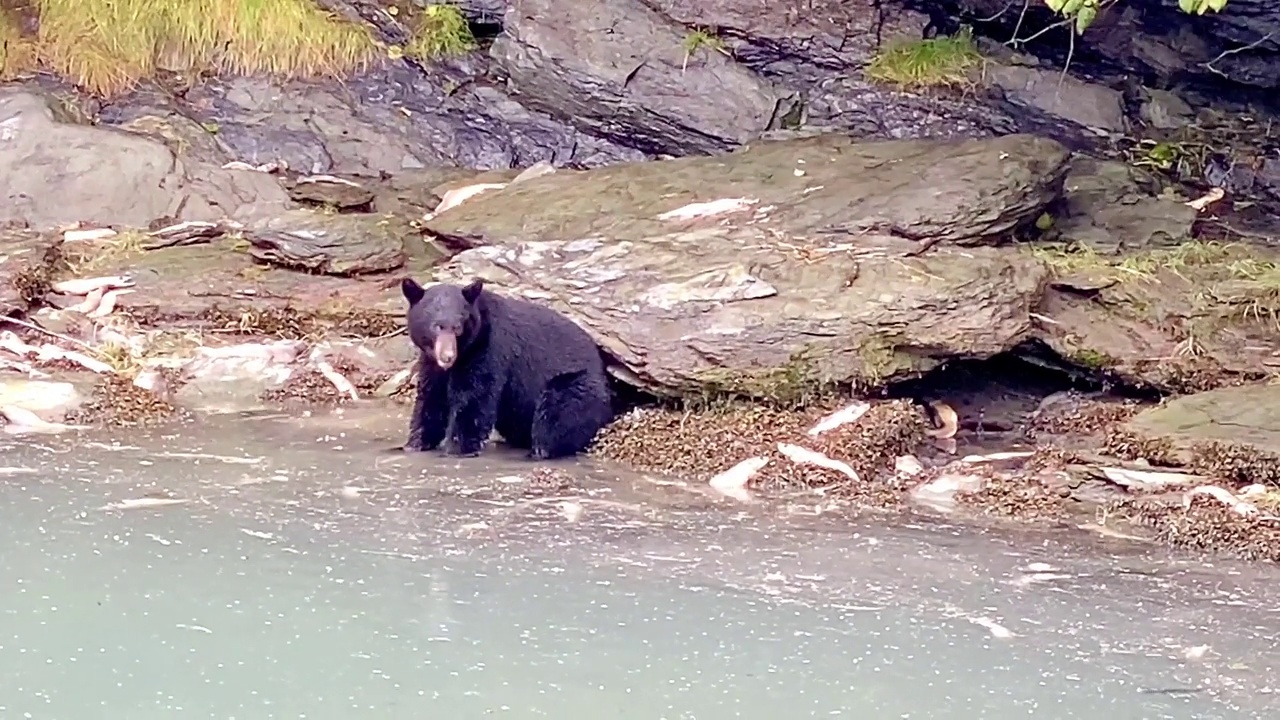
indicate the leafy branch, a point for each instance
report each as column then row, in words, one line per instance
column 1082, row 13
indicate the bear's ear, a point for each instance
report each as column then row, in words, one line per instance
column 472, row 291
column 413, row 292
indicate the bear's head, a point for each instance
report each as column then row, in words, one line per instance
column 442, row 319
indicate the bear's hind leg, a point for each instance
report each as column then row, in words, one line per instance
column 572, row 409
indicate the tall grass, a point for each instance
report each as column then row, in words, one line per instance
column 106, row 46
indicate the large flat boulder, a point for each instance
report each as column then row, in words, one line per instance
column 780, row 268
column 964, row 192
column 1231, row 433
column 59, row 173
column 1248, row 415
column 733, row 310
column 620, row 70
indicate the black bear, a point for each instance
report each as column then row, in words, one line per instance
column 488, row 361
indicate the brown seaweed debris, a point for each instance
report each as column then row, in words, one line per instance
column 1189, row 374
column 697, row 444
column 1047, row 458
column 1073, row 414
column 1129, row 445
column 33, row 279
column 117, row 402
column 310, row 387
column 1018, row 496
column 1239, row 462
column 548, row 482
column 1205, row 525
column 291, row 323
column 868, row 446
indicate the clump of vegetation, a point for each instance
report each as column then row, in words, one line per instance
column 107, row 46
column 700, row 39
column 17, row 53
column 935, row 62
column 1230, row 281
column 440, row 30
column 83, row 258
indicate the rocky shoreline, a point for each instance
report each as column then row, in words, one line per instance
column 1019, row 304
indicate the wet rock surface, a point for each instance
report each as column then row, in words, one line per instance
column 332, row 244
column 80, row 173
column 390, row 121
column 624, row 72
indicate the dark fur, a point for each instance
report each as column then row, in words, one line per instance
column 523, row 369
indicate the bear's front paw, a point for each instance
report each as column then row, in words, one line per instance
column 456, row 448
column 416, row 443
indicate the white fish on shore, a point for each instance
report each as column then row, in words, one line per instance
column 22, row 421
column 88, row 235
column 1223, row 496
column 844, row 416
column 950, row 421
column 46, row 352
column 90, row 302
column 84, row 286
column 733, row 482
column 1149, row 479
column 337, row 379
column 996, row 456
column 457, row 196
column 804, row 456
column 108, row 303
column 708, row 209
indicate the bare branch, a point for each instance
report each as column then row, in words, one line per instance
column 1061, row 23
column 1002, row 11
column 1226, row 53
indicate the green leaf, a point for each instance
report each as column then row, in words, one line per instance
column 1187, row 6
column 1085, row 18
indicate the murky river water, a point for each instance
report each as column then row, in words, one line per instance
column 430, row 588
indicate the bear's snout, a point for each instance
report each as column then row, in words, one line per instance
column 445, row 350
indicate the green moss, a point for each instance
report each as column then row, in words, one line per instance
column 795, row 384
column 1092, row 359
column 800, row 382
column 880, row 360
column 935, row 62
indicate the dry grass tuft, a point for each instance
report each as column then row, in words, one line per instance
column 107, row 46
column 18, row 54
